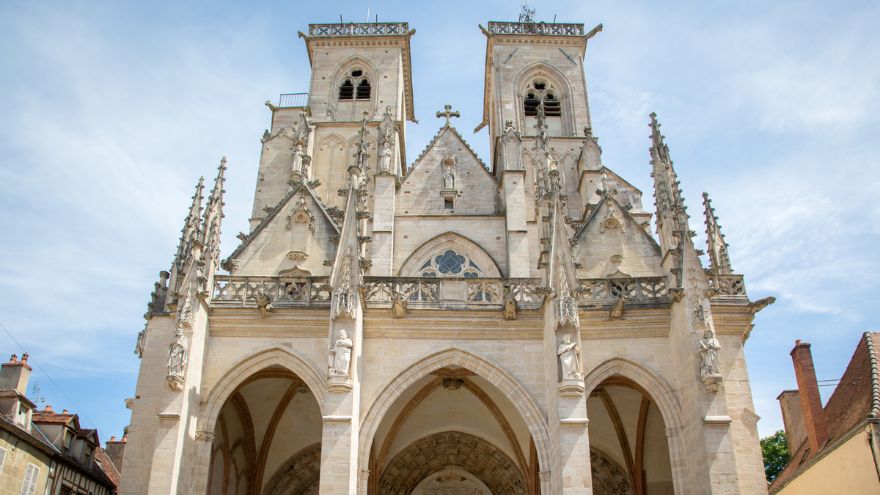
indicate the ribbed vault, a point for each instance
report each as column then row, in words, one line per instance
column 299, row 475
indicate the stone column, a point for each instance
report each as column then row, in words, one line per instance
column 339, row 437
column 513, row 192
column 384, row 204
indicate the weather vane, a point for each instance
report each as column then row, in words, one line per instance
column 527, row 14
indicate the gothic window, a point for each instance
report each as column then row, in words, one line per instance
column 541, row 91
column 450, row 264
column 355, row 86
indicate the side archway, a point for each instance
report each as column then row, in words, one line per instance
column 270, row 362
column 505, row 384
column 662, row 396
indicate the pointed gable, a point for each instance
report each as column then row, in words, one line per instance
column 425, row 192
column 294, row 239
column 612, row 243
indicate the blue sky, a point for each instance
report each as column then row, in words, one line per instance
column 111, row 111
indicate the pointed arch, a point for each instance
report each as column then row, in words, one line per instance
column 454, row 242
column 247, row 367
column 543, row 70
column 343, row 72
column 663, row 396
column 494, row 374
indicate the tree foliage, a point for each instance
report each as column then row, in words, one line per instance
column 775, row 451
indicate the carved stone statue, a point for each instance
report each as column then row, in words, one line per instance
column 340, row 355
column 185, row 314
column 344, row 297
column 449, row 172
column 296, row 157
column 710, row 371
column 569, row 358
column 385, row 157
column 141, row 342
column 178, row 357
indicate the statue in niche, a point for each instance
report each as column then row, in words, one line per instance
column 296, row 159
column 340, row 355
column 449, row 172
column 177, row 361
column 185, row 314
column 385, row 157
column 710, row 371
column 306, row 162
column 569, row 359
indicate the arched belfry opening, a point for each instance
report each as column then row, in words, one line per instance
column 267, row 438
column 453, row 431
column 629, row 453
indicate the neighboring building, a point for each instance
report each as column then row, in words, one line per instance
column 43, row 452
column 450, row 326
column 835, row 449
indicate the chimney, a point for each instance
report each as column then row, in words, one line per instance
column 116, row 450
column 808, row 389
column 15, row 374
column 792, row 418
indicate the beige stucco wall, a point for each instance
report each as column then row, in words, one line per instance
column 18, row 455
column 848, row 469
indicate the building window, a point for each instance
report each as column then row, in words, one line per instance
column 540, row 91
column 450, row 264
column 29, row 484
column 2, row 459
column 355, row 87
column 448, row 203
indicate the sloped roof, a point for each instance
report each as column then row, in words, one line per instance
column 855, row 400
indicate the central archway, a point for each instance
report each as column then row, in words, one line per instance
column 414, row 407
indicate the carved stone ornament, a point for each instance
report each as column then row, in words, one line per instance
column 301, row 214
column 343, row 305
column 387, row 132
column 566, row 306
column 264, row 304
column 612, row 221
column 511, row 308
column 710, row 371
column 178, row 358
column 185, row 316
column 141, row 342
column 205, row 436
column 340, row 355
column 398, row 308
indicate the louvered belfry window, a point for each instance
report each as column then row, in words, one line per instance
column 541, row 91
column 355, row 86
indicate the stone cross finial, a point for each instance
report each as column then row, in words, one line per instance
column 448, row 113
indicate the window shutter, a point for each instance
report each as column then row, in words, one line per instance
column 29, row 484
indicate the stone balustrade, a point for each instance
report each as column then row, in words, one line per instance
column 439, row 293
column 358, row 29
column 536, row 28
column 727, row 285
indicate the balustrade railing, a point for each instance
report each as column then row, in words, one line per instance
column 243, row 291
column 359, row 29
column 541, row 28
column 727, row 285
column 427, row 292
column 632, row 290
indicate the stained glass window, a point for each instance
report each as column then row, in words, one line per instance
column 450, row 264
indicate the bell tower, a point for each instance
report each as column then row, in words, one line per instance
column 358, row 70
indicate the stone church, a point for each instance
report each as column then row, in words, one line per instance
column 441, row 324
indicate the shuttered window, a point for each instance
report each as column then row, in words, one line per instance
column 29, row 485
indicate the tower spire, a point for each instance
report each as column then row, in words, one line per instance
column 717, row 247
column 672, row 219
column 191, row 225
column 214, row 214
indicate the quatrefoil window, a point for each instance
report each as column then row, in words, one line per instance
column 450, row 264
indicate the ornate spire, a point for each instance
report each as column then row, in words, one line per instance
column 672, row 219
column 359, row 167
column 214, row 214
column 547, row 174
column 718, row 256
column 191, row 225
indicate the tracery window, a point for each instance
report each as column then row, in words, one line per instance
column 541, row 91
column 355, row 86
column 450, row 264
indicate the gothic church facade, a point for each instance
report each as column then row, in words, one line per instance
column 514, row 326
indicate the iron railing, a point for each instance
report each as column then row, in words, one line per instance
column 290, row 100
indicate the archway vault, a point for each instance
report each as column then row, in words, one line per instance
column 500, row 379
